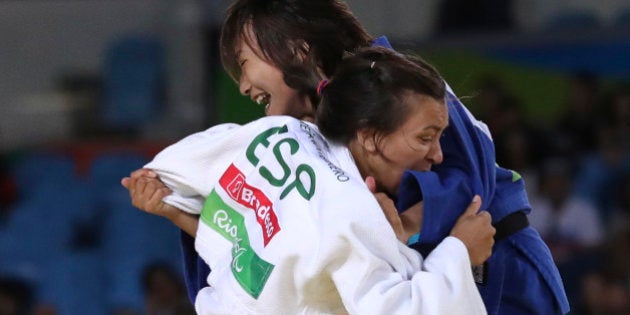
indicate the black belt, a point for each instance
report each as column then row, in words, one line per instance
column 510, row 224
column 507, row 226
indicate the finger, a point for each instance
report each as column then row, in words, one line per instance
column 142, row 193
column 386, row 204
column 158, row 197
column 143, row 172
column 371, row 183
column 163, row 192
column 132, row 183
column 155, row 199
column 141, row 185
column 391, row 214
column 156, row 189
column 485, row 214
column 493, row 231
column 473, row 207
column 125, row 182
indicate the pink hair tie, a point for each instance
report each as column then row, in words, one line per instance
column 320, row 87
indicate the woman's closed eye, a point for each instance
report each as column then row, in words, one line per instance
column 426, row 139
column 420, row 142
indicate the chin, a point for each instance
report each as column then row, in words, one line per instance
column 389, row 191
column 308, row 118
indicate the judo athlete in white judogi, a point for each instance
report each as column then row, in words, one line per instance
column 287, row 224
column 288, row 227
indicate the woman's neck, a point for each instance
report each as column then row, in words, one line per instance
column 309, row 111
column 359, row 155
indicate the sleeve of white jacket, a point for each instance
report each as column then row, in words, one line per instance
column 206, row 303
column 374, row 277
column 188, row 165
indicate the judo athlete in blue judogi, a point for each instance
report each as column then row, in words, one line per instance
column 520, row 277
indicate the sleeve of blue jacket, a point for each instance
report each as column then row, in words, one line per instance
column 468, row 168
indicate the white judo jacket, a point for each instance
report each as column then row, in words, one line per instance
column 288, row 226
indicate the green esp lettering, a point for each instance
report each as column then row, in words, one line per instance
column 297, row 183
column 264, row 171
column 262, row 139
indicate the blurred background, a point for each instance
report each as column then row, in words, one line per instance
column 91, row 89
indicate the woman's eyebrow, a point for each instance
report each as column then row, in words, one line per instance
column 436, row 127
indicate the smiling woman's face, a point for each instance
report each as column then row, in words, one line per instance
column 264, row 84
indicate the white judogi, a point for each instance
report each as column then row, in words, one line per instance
column 289, row 227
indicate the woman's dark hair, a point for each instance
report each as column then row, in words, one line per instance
column 321, row 31
column 368, row 91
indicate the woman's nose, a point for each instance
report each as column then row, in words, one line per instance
column 435, row 155
column 244, row 86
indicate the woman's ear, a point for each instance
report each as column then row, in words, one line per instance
column 366, row 139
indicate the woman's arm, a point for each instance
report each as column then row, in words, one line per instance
column 147, row 191
column 371, row 278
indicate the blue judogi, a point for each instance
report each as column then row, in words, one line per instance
column 520, row 277
column 196, row 270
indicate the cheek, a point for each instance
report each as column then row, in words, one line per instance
column 274, row 77
column 411, row 158
column 391, row 173
column 392, row 180
column 289, row 100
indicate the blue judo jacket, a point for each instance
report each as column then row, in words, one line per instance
column 520, row 277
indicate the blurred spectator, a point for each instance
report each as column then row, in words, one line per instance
column 164, row 291
column 567, row 223
column 606, row 290
column 605, row 285
column 519, row 144
column 465, row 16
column 616, row 114
column 600, row 171
column 16, row 296
column 490, row 101
column 620, row 217
column 577, row 123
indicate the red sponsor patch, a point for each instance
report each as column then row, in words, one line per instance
column 235, row 184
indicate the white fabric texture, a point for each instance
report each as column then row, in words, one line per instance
column 289, row 227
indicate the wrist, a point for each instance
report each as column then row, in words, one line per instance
column 171, row 213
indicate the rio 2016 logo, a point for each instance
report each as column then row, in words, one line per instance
column 249, row 270
column 222, row 220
